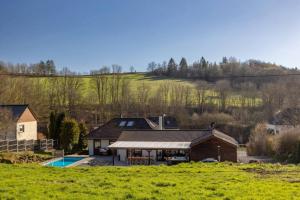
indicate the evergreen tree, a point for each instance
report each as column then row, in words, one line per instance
column 59, row 120
column 51, row 126
column 50, row 67
column 203, row 68
column 172, row 68
column 224, row 60
column 82, row 141
column 54, row 127
column 183, row 67
column 69, row 134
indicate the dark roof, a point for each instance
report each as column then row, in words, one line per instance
column 112, row 129
column 16, row 110
column 194, row 136
column 288, row 116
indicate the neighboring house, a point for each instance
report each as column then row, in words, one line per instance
column 283, row 121
column 142, row 137
column 23, row 125
column 109, row 133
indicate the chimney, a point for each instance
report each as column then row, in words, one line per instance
column 212, row 125
column 160, row 122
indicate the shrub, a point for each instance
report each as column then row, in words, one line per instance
column 22, row 157
column 205, row 120
column 260, row 142
column 287, row 146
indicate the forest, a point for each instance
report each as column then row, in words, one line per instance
column 232, row 93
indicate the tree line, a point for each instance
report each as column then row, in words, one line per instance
column 108, row 93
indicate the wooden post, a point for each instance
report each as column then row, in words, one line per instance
column 17, row 146
column 7, row 145
column 113, row 157
column 149, row 157
column 25, row 145
column 219, row 153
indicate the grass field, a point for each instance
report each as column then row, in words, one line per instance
column 155, row 82
column 185, row 181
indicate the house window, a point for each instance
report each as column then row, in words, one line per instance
column 97, row 144
column 130, row 123
column 137, row 152
column 22, row 128
column 122, row 123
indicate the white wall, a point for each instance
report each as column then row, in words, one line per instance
column 91, row 147
column 122, row 154
column 30, row 131
column 104, row 143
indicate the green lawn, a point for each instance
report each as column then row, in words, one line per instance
column 186, row 181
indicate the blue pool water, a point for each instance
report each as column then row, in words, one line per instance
column 66, row 161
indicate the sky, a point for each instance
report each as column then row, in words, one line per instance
column 84, row 35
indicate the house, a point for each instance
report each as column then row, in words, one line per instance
column 141, row 137
column 107, row 134
column 284, row 121
column 23, row 124
column 194, row 145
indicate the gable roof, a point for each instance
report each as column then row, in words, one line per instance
column 191, row 136
column 113, row 128
column 163, row 135
column 17, row 110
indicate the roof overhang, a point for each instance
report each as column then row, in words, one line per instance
column 149, row 145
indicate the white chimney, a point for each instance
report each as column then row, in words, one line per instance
column 160, row 122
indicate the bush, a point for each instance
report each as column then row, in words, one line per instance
column 22, row 157
column 287, row 146
column 260, row 142
column 205, row 120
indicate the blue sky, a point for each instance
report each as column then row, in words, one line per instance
column 87, row 34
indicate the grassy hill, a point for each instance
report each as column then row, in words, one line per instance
column 156, row 82
column 185, row 181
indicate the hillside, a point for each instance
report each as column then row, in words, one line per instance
column 185, row 181
column 153, row 83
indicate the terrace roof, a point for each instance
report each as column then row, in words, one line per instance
column 149, row 145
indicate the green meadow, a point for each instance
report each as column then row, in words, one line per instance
column 186, row 181
column 155, row 82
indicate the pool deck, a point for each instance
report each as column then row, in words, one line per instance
column 94, row 161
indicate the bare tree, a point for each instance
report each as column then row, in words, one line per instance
column 223, row 88
column 143, row 92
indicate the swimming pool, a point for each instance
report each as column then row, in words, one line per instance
column 64, row 162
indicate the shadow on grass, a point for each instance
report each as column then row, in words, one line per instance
column 148, row 77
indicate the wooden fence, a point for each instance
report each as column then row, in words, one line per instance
column 26, row 145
